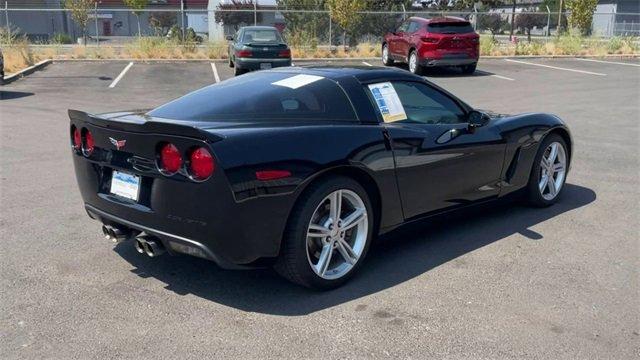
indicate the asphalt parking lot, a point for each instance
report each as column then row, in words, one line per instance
column 505, row 281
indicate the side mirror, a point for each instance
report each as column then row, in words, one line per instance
column 477, row 119
column 229, row 37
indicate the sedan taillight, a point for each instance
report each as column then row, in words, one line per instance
column 284, row 53
column 201, row 164
column 88, row 145
column 76, row 138
column 170, row 160
column 244, row 53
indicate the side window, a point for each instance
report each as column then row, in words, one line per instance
column 424, row 105
column 413, row 27
column 403, row 27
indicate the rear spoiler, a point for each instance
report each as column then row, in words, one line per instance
column 142, row 123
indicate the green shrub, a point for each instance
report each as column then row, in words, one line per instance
column 61, row 38
column 487, row 45
column 569, row 44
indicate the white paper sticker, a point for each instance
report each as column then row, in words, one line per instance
column 297, row 81
column 388, row 102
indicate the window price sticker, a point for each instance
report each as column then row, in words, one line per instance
column 388, row 102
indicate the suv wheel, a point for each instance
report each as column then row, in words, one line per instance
column 469, row 69
column 414, row 65
column 386, row 58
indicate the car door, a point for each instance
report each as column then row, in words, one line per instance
column 408, row 38
column 396, row 44
column 441, row 161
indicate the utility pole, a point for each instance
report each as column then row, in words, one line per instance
column 95, row 14
column 255, row 12
column 559, row 19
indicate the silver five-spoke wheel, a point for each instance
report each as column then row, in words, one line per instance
column 337, row 234
column 553, row 167
column 385, row 54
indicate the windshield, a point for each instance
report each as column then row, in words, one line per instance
column 450, row 28
column 262, row 36
column 263, row 97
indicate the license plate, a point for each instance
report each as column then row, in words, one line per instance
column 125, row 185
column 264, row 66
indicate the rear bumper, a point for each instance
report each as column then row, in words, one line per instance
column 172, row 242
column 449, row 61
column 254, row 63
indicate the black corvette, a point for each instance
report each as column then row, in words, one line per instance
column 300, row 167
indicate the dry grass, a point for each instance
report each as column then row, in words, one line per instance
column 20, row 55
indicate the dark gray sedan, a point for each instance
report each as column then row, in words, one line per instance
column 257, row 48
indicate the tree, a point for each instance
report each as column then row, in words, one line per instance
column 345, row 14
column 80, row 13
column 137, row 6
column 226, row 15
column 491, row 22
column 581, row 15
column 378, row 24
column 528, row 19
column 162, row 21
column 304, row 27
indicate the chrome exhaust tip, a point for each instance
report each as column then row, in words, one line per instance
column 154, row 248
column 149, row 245
column 106, row 232
column 139, row 244
column 116, row 234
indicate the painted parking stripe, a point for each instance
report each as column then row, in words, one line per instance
column 116, row 80
column 608, row 62
column 215, row 72
column 556, row 67
column 366, row 63
column 495, row 75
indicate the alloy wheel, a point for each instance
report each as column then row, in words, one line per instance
column 337, row 234
column 413, row 62
column 553, row 168
column 385, row 54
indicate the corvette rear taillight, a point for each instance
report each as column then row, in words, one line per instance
column 284, row 53
column 429, row 40
column 201, row 164
column 88, row 146
column 76, row 138
column 244, row 53
column 169, row 159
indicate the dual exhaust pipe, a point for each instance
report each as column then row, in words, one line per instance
column 144, row 244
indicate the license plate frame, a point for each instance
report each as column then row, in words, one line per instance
column 125, row 185
column 265, row 66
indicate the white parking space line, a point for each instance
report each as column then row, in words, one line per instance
column 555, row 67
column 366, row 63
column 608, row 62
column 215, row 72
column 494, row 75
column 116, row 80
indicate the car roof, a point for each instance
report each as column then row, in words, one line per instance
column 258, row 28
column 437, row 19
column 361, row 73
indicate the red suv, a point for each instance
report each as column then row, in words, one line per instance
column 433, row 42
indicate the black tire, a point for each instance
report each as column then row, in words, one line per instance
column 533, row 195
column 417, row 70
column 389, row 60
column 293, row 263
column 469, row 69
column 230, row 62
column 238, row 71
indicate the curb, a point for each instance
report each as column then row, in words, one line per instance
column 22, row 73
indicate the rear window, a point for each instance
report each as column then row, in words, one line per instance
column 261, row 36
column 265, row 97
column 450, row 28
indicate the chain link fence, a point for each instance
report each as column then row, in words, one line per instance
column 301, row 28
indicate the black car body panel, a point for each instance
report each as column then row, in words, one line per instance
column 235, row 219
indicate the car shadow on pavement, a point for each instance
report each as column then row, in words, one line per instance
column 446, row 72
column 9, row 95
column 395, row 258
